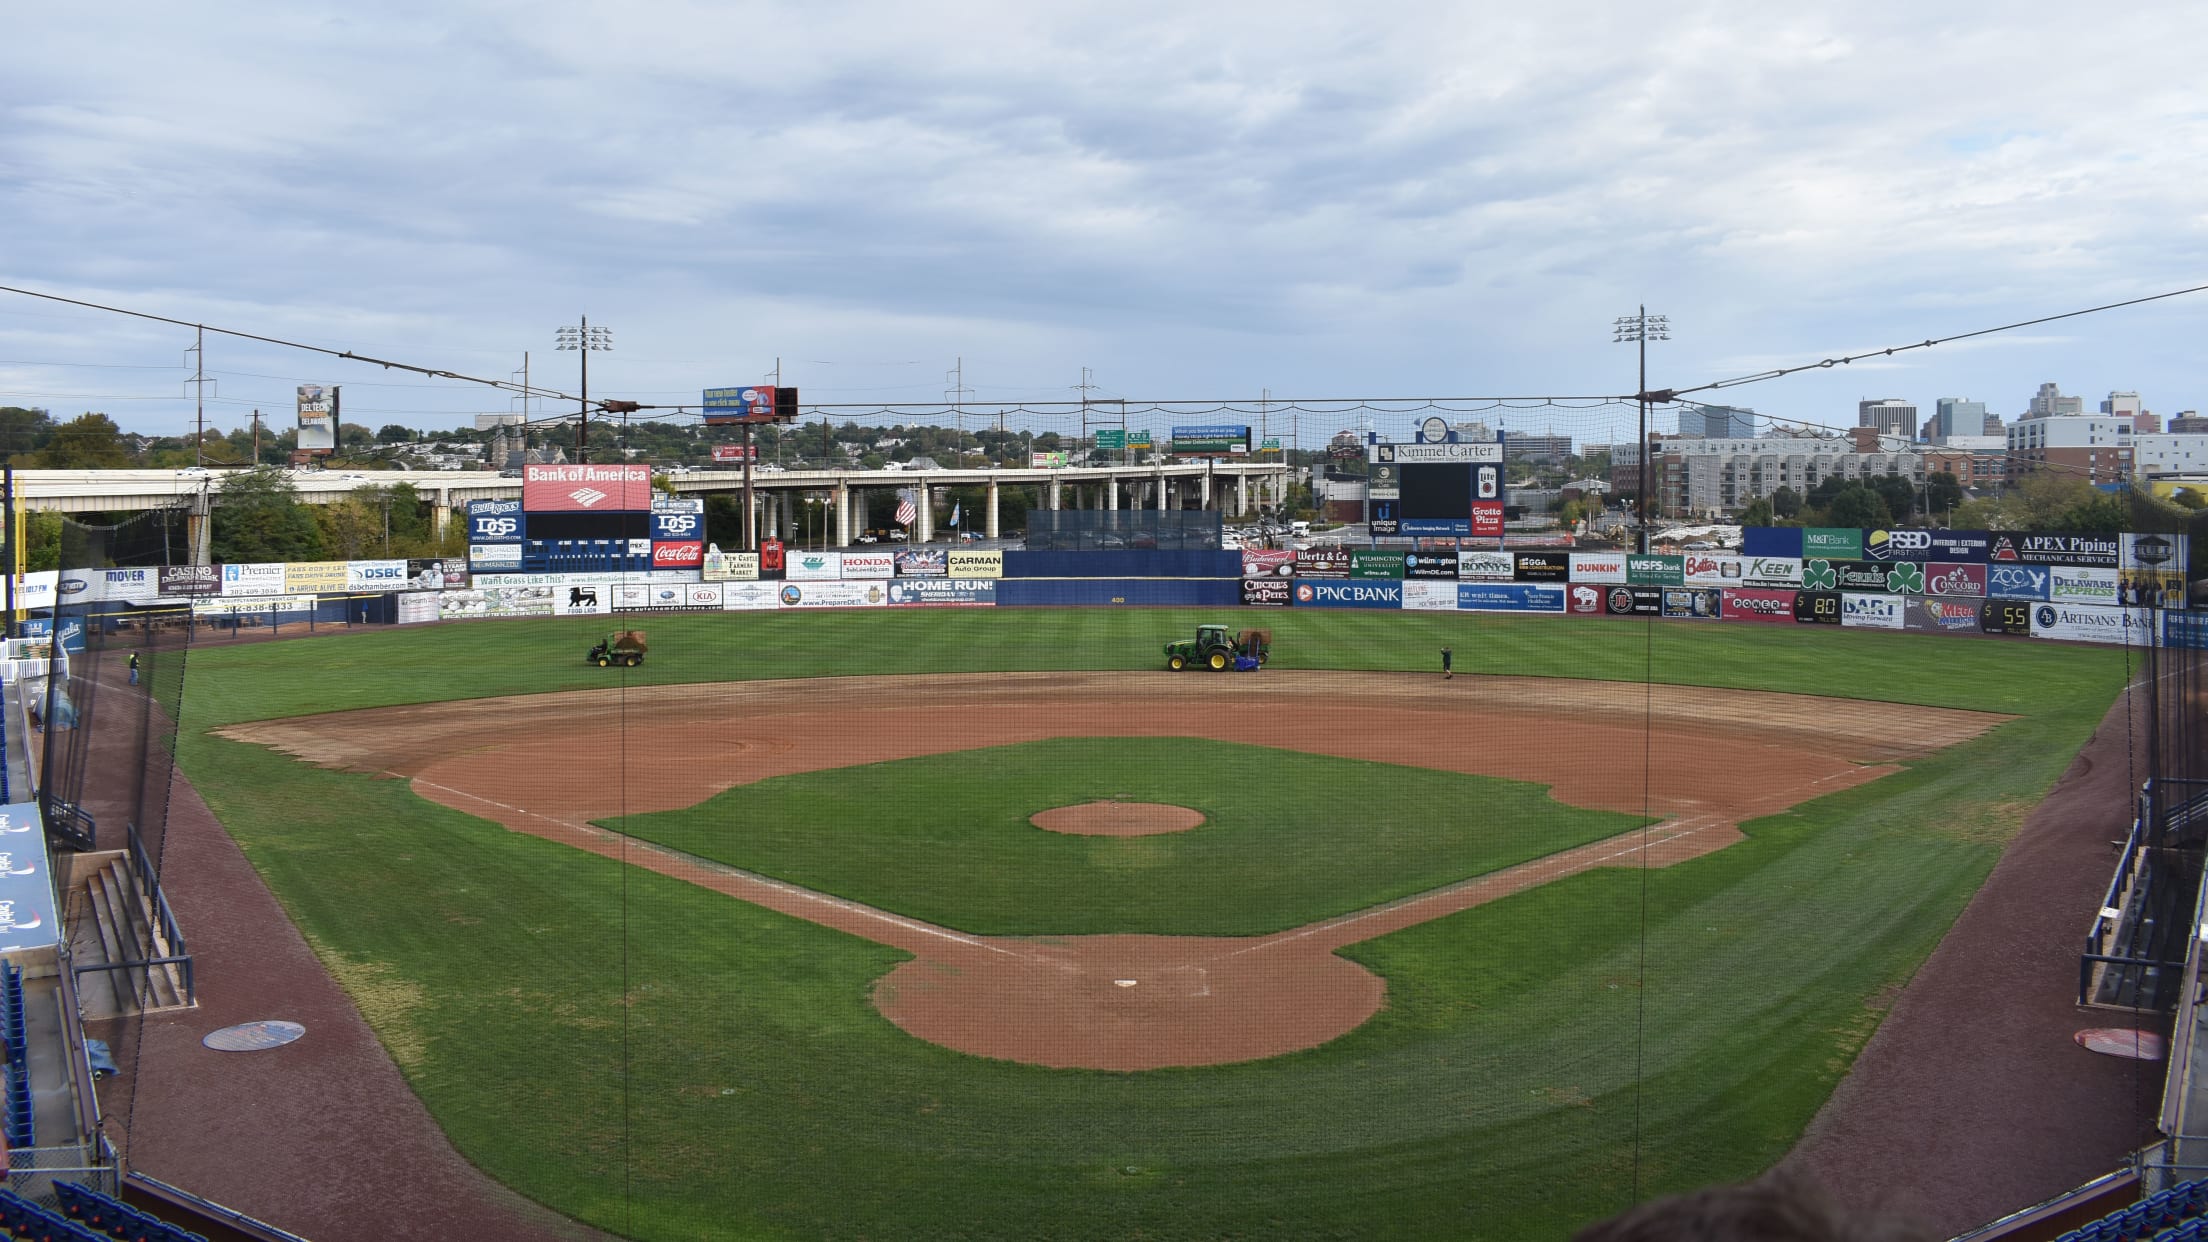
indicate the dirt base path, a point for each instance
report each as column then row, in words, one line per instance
column 550, row 764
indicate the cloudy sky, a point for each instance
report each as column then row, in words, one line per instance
column 1193, row 202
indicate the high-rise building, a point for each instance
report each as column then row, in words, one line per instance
column 2094, row 447
column 2187, row 421
column 1956, row 416
column 1892, row 417
column 1717, row 422
column 2128, row 405
column 2050, row 403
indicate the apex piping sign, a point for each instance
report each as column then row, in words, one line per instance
column 586, row 489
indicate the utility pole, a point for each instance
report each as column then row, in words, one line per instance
column 585, row 340
column 199, row 382
column 957, row 395
column 256, row 439
column 1640, row 328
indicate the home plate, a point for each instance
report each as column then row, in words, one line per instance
column 1123, row 983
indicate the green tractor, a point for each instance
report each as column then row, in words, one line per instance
column 623, row 647
column 1217, row 648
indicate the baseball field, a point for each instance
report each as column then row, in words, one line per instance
column 969, row 924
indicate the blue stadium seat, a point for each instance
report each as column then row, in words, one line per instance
column 107, row 1217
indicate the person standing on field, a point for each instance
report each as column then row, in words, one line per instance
column 1446, row 671
column 134, row 668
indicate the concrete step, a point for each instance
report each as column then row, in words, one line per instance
column 166, row 982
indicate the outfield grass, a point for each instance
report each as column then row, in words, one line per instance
column 742, row 1086
column 1288, row 838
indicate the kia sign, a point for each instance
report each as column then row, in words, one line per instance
column 586, row 489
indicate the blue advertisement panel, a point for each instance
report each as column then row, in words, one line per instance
column 2185, row 629
column 1509, row 597
column 27, row 916
column 1127, row 563
column 1771, row 541
column 1112, row 592
column 1320, row 593
column 924, row 592
column 676, row 527
column 1440, row 528
column 494, row 521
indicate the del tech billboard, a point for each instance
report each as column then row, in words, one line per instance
column 586, row 489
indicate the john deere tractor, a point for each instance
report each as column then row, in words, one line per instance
column 624, row 647
column 1219, row 649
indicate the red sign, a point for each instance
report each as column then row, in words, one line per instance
column 1583, row 599
column 1487, row 519
column 586, row 489
column 683, row 554
column 1756, row 604
column 1943, row 578
column 734, row 452
column 770, row 557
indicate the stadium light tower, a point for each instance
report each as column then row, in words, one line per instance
column 583, row 339
column 1640, row 328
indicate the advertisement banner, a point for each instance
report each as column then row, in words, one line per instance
column 76, row 586
column 2165, row 553
column 38, row 588
column 1706, row 603
column 834, row 595
column 1773, row 541
column 676, row 527
column 416, row 607
column 921, row 563
column 494, row 521
column 1322, row 563
column 1053, row 460
column 814, row 566
column 1817, row 608
column 2005, row 616
column 376, row 575
column 1257, row 563
column 582, row 599
column 1969, row 547
column 1603, row 568
column 317, row 577
column 1845, row 575
column 27, row 916
column 771, row 558
column 251, row 605
column 1429, row 595
column 735, row 454
column 1655, row 570
column 1509, row 597
column 1364, row 564
column 643, row 596
column 494, row 558
column 1542, row 566
column 1871, row 612
column 860, row 565
column 663, row 503
column 1487, row 519
column 2187, row 630
column 2146, row 588
column 729, row 567
column 1770, row 571
column 750, row 596
column 1634, row 601
column 1430, row 565
column 1584, row 599
column 1267, row 592
column 1705, row 569
column 2019, row 581
column 484, row 603
column 1756, row 604
column 619, row 488
column 2068, row 585
column 1931, row 614
column 131, row 586
column 173, row 580
column 2083, row 551
column 1319, row 593
column 253, row 579
column 674, row 577
column 1897, row 545
column 974, row 564
column 679, row 554
column 2087, row 623
column 1487, row 566
column 704, row 594
column 1943, row 578
column 943, row 592
column 1833, row 543
column 1211, row 438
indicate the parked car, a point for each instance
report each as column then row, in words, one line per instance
column 194, row 472
column 896, row 536
column 868, row 539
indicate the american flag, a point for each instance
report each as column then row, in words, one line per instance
column 905, row 512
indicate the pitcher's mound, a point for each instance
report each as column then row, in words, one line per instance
column 1117, row 819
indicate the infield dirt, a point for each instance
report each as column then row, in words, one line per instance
column 1698, row 760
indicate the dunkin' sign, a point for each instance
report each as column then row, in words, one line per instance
column 586, row 489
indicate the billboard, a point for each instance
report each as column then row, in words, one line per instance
column 2069, row 585
column 735, row 454
column 586, row 489
column 1542, row 566
column 937, row 592
column 747, row 403
column 1267, row 592
column 729, row 567
column 1708, row 569
column 2091, row 551
column 1897, row 545
column 1871, row 612
column 1487, row 566
column 1774, row 541
column 1261, row 563
column 260, row 579
column 1509, row 597
column 678, row 554
column 1363, row 564
column 2005, row 616
column 486, row 602
column 869, row 565
column 1833, row 543
column 583, row 599
column 2019, row 581
column 921, row 563
column 375, row 575
column 1323, row 563
column 494, row 557
column 494, row 521
column 974, row 564
column 1584, row 599
column 317, row 418
column 834, row 595
column 1771, row 571
column 2087, row 623
column 316, row 577
column 1320, row 593
column 1634, row 601
column 675, row 526
column 1053, row 460
column 1430, row 565
column 1599, row 567
column 1930, row 614
column 1655, row 570
column 1212, row 438
column 1942, row 578
column 1704, row 602
column 750, row 596
column 179, row 580
column 814, row 566
column 1428, row 595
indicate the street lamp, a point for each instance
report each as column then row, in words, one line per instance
column 583, row 339
column 1640, row 328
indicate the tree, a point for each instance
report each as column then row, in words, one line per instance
column 2043, row 500
column 1898, row 492
column 86, row 442
column 1786, row 503
column 22, row 431
column 393, row 433
column 1759, row 512
column 2101, row 514
column 1942, row 492
column 258, row 518
column 1857, row 505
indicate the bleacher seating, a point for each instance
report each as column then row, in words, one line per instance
column 16, row 1107
column 105, row 1217
column 21, row 1218
column 2179, row 1214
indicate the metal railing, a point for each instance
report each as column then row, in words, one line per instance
column 145, row 889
